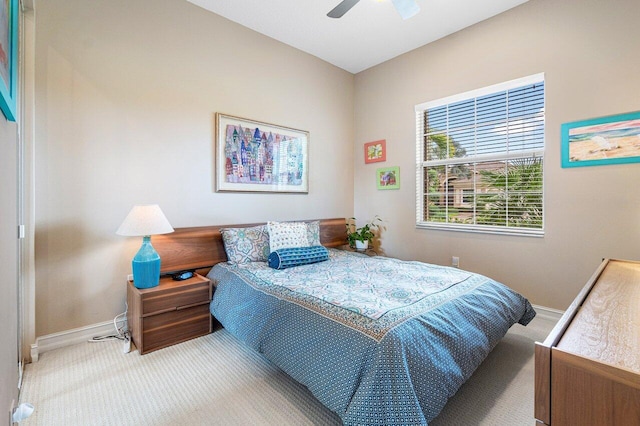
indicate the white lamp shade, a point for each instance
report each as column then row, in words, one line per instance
column 145, row 220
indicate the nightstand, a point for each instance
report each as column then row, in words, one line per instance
column 369, row 252
column 170, row 313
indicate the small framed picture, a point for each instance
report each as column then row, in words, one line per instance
column 388, row 178
column 375, row 151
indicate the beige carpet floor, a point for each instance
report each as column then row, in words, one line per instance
column 216, row 380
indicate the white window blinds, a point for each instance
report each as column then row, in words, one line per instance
column 480, row 159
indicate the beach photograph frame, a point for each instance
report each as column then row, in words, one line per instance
column 9, row 58
column 613, row 139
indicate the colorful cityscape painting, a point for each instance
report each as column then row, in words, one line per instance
column 260, row 157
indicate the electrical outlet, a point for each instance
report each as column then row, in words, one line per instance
column 130, row 277
column 455, row 261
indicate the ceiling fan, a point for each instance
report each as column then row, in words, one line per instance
column 406, row 8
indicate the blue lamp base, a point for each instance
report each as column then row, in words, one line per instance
column 146, row 265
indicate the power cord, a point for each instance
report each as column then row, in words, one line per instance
column 121, row 332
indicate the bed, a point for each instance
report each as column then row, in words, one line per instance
column 391, row 354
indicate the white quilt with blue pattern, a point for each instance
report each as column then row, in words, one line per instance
column 379, row 341
column 369, row 286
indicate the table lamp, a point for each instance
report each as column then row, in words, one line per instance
column 145, row 221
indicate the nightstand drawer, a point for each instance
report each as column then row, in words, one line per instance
column 175, row 326
column 173, row 298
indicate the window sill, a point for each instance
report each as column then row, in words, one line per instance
column 482, row 229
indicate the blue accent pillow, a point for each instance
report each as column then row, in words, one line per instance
column 296, row 256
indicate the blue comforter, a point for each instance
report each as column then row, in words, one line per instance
column 370, row 361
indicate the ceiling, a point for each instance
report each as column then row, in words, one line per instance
column 370, row 33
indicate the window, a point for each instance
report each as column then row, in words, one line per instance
column 480, row 158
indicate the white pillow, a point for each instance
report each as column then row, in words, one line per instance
column 287, row 235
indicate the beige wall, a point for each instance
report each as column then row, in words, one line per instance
column 125, row 98
column 589, row 52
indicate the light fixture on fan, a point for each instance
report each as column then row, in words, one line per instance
column 406, row 8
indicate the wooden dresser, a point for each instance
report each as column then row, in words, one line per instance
column 587, row 371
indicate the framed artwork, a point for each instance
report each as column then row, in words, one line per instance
column 375, row 151
column 8, row 57
column 252, row 156
column 613, row 139
column 388, row 178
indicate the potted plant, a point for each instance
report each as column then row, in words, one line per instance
column 360, row 238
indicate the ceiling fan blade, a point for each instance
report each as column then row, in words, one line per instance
column 342, row 8
column 406, row 8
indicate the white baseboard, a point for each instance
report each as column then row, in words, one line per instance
column 53, row 341
column 78, row 335
column 548, row 313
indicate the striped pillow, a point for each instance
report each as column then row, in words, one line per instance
column 296, row 256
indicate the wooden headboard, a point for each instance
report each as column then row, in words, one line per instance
column 201, row 247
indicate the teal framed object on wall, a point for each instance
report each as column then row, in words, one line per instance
column 8, row 57
column 613, row 139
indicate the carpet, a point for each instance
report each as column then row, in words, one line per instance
column 216, row 380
